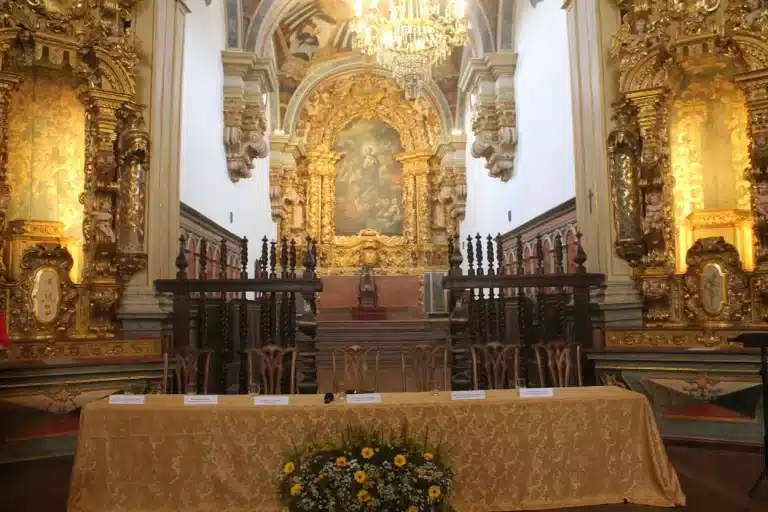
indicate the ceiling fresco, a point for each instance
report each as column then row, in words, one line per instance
column 314, row 32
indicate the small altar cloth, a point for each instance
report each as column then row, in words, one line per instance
column 583, row 446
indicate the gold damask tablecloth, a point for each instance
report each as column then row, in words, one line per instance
column 583, row 446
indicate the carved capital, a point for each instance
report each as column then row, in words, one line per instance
column 247, row 79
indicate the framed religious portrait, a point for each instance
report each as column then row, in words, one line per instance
column 712, row 289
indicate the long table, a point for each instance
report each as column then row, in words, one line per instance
column 582, row 446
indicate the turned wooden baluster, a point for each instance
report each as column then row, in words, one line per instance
column 243, row 320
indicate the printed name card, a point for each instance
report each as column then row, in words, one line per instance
column 127, row 399
column 271, row 400
column 201, row 399
column 536, row 392
column 364, row 398
column 477, row 394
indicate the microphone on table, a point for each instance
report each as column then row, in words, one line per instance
column 328, row 398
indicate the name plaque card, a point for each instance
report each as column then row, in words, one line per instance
column 475, row 394
column 536, row 392
column 364, row 398
column 271, row 400
column 201, row 399
column 127, row 399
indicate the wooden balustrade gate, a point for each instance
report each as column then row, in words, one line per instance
column 217, row 314
column 489, row 305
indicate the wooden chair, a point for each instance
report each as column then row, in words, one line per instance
column 424, row 366
column 188, row 368
column 271, row 360
column 496, row 358
column 355, row 365
column 557, row 361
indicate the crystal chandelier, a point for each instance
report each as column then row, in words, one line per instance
column 409, row 36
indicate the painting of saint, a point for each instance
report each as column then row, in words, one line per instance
column 369, row 179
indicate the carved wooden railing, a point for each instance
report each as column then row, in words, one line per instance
column 488, row 304
column 219, row 314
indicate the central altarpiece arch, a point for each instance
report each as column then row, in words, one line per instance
column 370, row 188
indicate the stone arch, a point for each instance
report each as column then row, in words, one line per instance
column 348, row 66
column 549, row 254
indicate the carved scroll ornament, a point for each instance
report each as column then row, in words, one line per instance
column 495, row 131
column 244, row 127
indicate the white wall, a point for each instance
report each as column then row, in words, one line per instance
column 544, row 162
column 205, row 184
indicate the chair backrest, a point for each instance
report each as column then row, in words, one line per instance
column 355, row 367
column 557, row 361
column 496, row 359
column 429, row 367
column 271, row 361
column 188, row 368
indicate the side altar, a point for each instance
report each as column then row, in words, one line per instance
column 377, row 180
column 688, row 160
column 74, row 162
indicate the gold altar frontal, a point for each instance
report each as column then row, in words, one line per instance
column 584, row 446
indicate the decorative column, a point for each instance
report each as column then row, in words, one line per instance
column 490, row 81
column 452, row 181
column 284, row 154
column 8, row 83
column 418, row 219
column 595, row 87
column 754, row 85
column 247, row 78
column 159, row 35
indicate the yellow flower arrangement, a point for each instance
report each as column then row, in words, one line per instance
column 353, row 475
column 363, row 496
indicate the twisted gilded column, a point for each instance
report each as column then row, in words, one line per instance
column 322, row 194
column 754, row 85
column 8, row 83
column 417, row 220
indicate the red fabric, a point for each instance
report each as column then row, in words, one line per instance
column 4, row 340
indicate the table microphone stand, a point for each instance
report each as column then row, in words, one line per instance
column 759, row 340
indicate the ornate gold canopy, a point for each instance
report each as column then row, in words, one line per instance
column 433, row 195
column 90, row 44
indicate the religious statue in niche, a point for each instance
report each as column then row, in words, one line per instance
column 653, row 212
column 755, row 13
column 368, row 179
column 101, row 215
column 761, row 199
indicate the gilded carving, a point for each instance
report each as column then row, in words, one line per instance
column 87, row 50
column 43, row 304
column 716, row 288
column 691, row 69
column 330, row 109
column 624, row 160
column 669, row 338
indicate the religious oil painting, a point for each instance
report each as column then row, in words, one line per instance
column 369, row 179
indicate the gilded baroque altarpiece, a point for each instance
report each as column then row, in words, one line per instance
column 74, row 155
column 688, row 159
column 376, row 164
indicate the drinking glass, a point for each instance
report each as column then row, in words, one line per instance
column 254, row 389
column 436, row 387
column 520, row 383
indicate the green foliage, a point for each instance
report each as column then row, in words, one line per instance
column 366, row 471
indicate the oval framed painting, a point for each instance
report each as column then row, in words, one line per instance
column 712, row 289
column 46, row 294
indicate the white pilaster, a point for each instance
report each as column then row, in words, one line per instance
column 159, row 30
column 594, row 81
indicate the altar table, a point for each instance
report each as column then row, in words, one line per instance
column 584, row 446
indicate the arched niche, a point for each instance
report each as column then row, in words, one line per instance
column 364, row 121
column 75, row 156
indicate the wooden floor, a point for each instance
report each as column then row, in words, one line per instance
column 714, row 480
